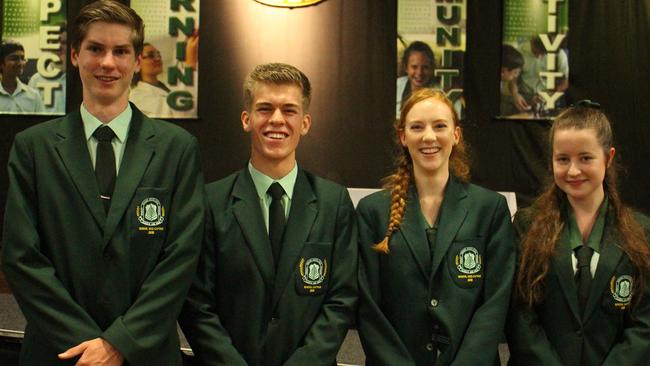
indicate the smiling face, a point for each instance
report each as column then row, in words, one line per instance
column 151, row 61
column 419, row 70
column 276, row 121
column 429, row 134
column 107, row 61
column 579, row 164
column 13, row 64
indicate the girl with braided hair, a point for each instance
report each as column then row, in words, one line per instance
column 581, row 295
column 437, row 253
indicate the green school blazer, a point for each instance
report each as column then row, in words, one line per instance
column 241, row 310
column 414, row 306
column 608, row 333
column 78, row 273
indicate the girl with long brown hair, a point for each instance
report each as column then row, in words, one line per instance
column 581, row 291
column 437, row 253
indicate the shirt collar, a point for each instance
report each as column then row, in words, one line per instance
column 572, row 232
column 119, row 124
column 20, row 87
column 262, row 181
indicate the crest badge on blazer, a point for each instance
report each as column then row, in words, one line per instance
column 313, row 272
column 621, row 289
column 151, row 214
column 469, row 263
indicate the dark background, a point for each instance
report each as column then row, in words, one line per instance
column 347, row 48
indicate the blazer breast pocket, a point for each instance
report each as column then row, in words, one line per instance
column 149, row 213
column 314, row 268
column 465, row 262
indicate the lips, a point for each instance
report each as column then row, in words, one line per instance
column 276, row 135
column 430, row 150
column 576, row 183
column 106, row 79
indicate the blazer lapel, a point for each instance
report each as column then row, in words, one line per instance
column 610, row 256
column 138, row 153
column 413, row 232
column 73, row 151
column 563, row 269
column 452, row 215
column 248, row 213
column 301, row 219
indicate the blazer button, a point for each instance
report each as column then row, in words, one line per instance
column 274, row 321
column 429, row 347
column 434, row 303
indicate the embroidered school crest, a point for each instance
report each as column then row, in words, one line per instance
column 468, row 260
column 621, row 289
column 150, row 212
column 313, row 272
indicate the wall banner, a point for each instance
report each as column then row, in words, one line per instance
column 535, row 58
column 167, row 84
column 33, row 57
column 431, row 43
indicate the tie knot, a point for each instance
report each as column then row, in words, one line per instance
column 276, row 191
column 104, row 134
column 583, row 254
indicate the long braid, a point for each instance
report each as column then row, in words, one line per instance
column 398, row 184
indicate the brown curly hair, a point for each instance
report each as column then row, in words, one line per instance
column 539, row 243
column 398, row 182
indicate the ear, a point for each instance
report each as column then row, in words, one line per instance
column 138, row 62
column 610, row 156
column 306, row 124
column 402, row 137
column 74, row 57
column 457, row 134
column 245, row 121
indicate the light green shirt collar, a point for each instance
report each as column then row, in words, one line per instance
column 119, row 124
column 262, row 181
column 572, row 232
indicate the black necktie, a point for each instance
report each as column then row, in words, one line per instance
column 583, row 274
column 431, row 238
column 105, row 164
column 276, row 219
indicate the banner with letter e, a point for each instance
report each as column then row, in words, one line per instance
column 33, row 57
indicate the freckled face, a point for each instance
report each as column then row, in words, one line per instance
column 429, row 134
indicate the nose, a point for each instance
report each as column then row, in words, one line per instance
column 429, row 134
column 276, row 117
column 574, row 170
column 108, row 60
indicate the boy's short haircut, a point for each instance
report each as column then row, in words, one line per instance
column 276, row 73
column 109, row 11
column 9, row 47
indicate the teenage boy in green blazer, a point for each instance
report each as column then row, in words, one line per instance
column 100, row 274
column 248, row 306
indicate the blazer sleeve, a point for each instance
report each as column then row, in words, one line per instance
column 199, row 321
column 43, row 299
column 323, row 339
column 151, row 318
column 634, row 349
column 486, row 326
column 381, row 343
column 527, row 340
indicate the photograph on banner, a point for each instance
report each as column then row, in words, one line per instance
column 534, row 59
column 167, row 84
column 431, row 43
column 33, row 57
